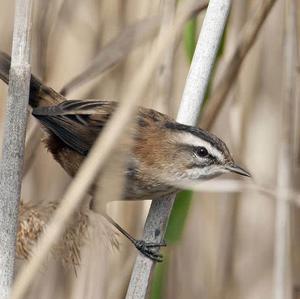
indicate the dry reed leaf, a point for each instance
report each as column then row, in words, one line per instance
column 116, row 50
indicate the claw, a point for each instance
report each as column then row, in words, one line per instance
column 149, row 249
column 152, row 244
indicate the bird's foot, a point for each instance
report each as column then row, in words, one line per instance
column 150, row 249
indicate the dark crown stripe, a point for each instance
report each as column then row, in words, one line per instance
column 208, row 137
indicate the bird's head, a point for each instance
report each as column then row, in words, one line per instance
column 201, row 155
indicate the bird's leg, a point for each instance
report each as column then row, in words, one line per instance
column 149, row 249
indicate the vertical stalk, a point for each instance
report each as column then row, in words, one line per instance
column 13, row 144
column 192, row 100
column 203, row 61
column 282, row 268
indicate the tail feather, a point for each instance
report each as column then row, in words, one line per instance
column 40, row 94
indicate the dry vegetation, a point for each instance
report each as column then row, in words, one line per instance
column 228, row 243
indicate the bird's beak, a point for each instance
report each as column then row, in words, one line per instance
column 237, row 169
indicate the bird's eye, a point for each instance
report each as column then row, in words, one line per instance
column 201, row 151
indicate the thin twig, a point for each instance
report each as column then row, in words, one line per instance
column 13, row 145
column 165, row 70
column 237, row 186
column 193, row 96
column 95, row 160
column 246, row 41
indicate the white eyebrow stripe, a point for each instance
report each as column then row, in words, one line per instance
column 192, row 140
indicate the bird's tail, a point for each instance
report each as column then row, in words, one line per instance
column 4, row 66
column 40, row 94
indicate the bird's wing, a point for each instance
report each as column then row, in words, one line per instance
column 77, row 123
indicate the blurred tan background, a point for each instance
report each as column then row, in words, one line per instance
column 227, row 249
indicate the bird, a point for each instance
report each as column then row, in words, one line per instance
column 164, row 154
